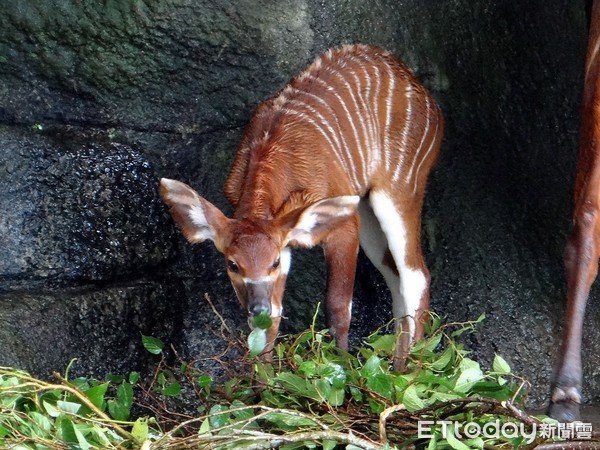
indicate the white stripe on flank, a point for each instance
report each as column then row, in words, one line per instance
column 368, row 116
column 363, row 113
column 343, row 145
column 416, row 157
column 375, row 112
column 348, row 151
column 424, row 158
column 349, row 170
column 388, row 116
column 351, row 118
column 413, row 282
column 338, row 147
column 406, row 131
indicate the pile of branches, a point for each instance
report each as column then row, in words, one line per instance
column 312, row 395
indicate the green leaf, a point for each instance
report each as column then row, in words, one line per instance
column 385, row 343
column 470, row 374
column 125, row 394
column 336, row 396
column 262, row 321
column 289, row 422
column 382, row 384
column 299, row 386
column 334, row 374
column 153, row 345
column 140, row 429
column 81, row 383
column 171, row 390
column 432, row 343
column 443, row 397
column 244, row 412
column 500, row 365
column 453, row 441
column 81, row 440
column 99, row 435
column 411, row 399
column 257, row 341
column 308, row 368
column 134, row 377
column 118, row 410
column 467, row 379
column 96, row 395
column 67, row 430
column 443, row 360
column 329, row 445
column 68, row 407
column 219, row 416
column 40, row 420
column 371, row 366
column 51, row 409
column 204, row 428
column 203, row 381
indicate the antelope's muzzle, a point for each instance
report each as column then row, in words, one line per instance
column 259, row 296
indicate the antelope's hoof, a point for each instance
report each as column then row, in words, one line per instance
column 564, row 404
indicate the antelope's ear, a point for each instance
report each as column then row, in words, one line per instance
column 308, row 226
column 198, row 219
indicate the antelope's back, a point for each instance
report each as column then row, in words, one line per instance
column 366, row 110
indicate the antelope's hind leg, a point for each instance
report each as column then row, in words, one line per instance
column 398, row 256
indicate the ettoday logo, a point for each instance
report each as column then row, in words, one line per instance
column 508, row 430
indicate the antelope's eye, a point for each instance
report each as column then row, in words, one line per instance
column 276, row 263
column 232, row 266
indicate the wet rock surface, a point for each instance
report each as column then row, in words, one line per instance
column 98, row 101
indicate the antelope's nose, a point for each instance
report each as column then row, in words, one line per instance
column 259, row 308
column 259, row 294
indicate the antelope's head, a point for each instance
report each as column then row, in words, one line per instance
column 257, row 252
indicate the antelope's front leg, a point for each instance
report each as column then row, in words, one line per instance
column 276, row 312
column 341, row 251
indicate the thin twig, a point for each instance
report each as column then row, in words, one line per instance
column 383, row 419
column 212, row 306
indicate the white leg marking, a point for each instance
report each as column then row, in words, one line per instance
column 374, row 243
column 412, row 281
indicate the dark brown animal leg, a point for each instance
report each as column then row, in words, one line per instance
column 581, row 264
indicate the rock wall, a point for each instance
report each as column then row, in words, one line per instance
column 100, row 99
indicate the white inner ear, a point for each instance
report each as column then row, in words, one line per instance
column 324, row 213
column 204, row 230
